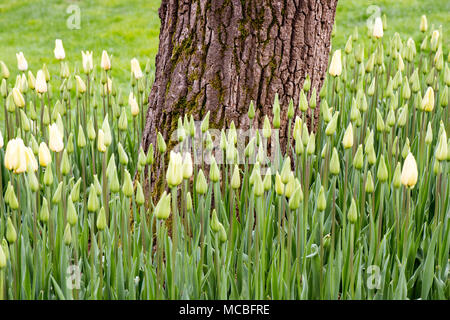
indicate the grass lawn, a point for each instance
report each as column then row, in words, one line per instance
column 130, row 28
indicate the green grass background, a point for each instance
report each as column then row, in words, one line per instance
column 130, row 28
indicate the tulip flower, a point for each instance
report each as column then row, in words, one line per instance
column 335, row 68
column 428, row 100
column 55, row 138
column 434, row 40
column 59, row 50
column 19, row 101
column 81, row 86
column 41, row 83
column 107, row 132
column 88, row 64
column 409, row 172
column 18, row 157
column 4, row 70
column 136, row 68
column 133, row 105
column 22, row 64
column 423, row 23
column 377, row 31
column 187, row 166
column 174, row 173
column 101, row 141
column 45, row 157
column 106, row 62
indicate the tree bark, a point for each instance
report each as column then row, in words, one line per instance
column 218, row 55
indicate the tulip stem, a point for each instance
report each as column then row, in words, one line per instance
column 174, row 238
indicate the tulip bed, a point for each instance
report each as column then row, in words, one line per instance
column 357, row 210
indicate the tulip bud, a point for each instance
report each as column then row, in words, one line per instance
column 57, row 195
column 93, row 202
column 236, row 179
column 441, row 150
column 382, row 173
column 140, row 198
column 91, row 131
column 201, row 186
column 11, row 234
column 267, row 182
column 286, row 170
column 188, row 201
column 123, row 157
column 296, row 198
column 311, row 146
column 267, row 130
column 161, row 144
column 75, row 193
column 409, row 172
column 12, row 199
column 352, row 214
column 48, row 176
column 406, row 148
column 251, row 111
column 334, row 163
column 369, row 187
column 347, row 140
column 205, row 123
column 214, row 221
column 258, row 186
column 331, row 127
column 222, row 233
column 101, row 220
column 162, row 209
column 279, row 186
column 321, row 200
column 434, row 42
column 276, row 118
column 290, row 186
column 150, row 154
column 429, row 134
column 127, row 187
column 72, row 216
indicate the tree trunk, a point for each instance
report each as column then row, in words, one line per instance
column 219, row 55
